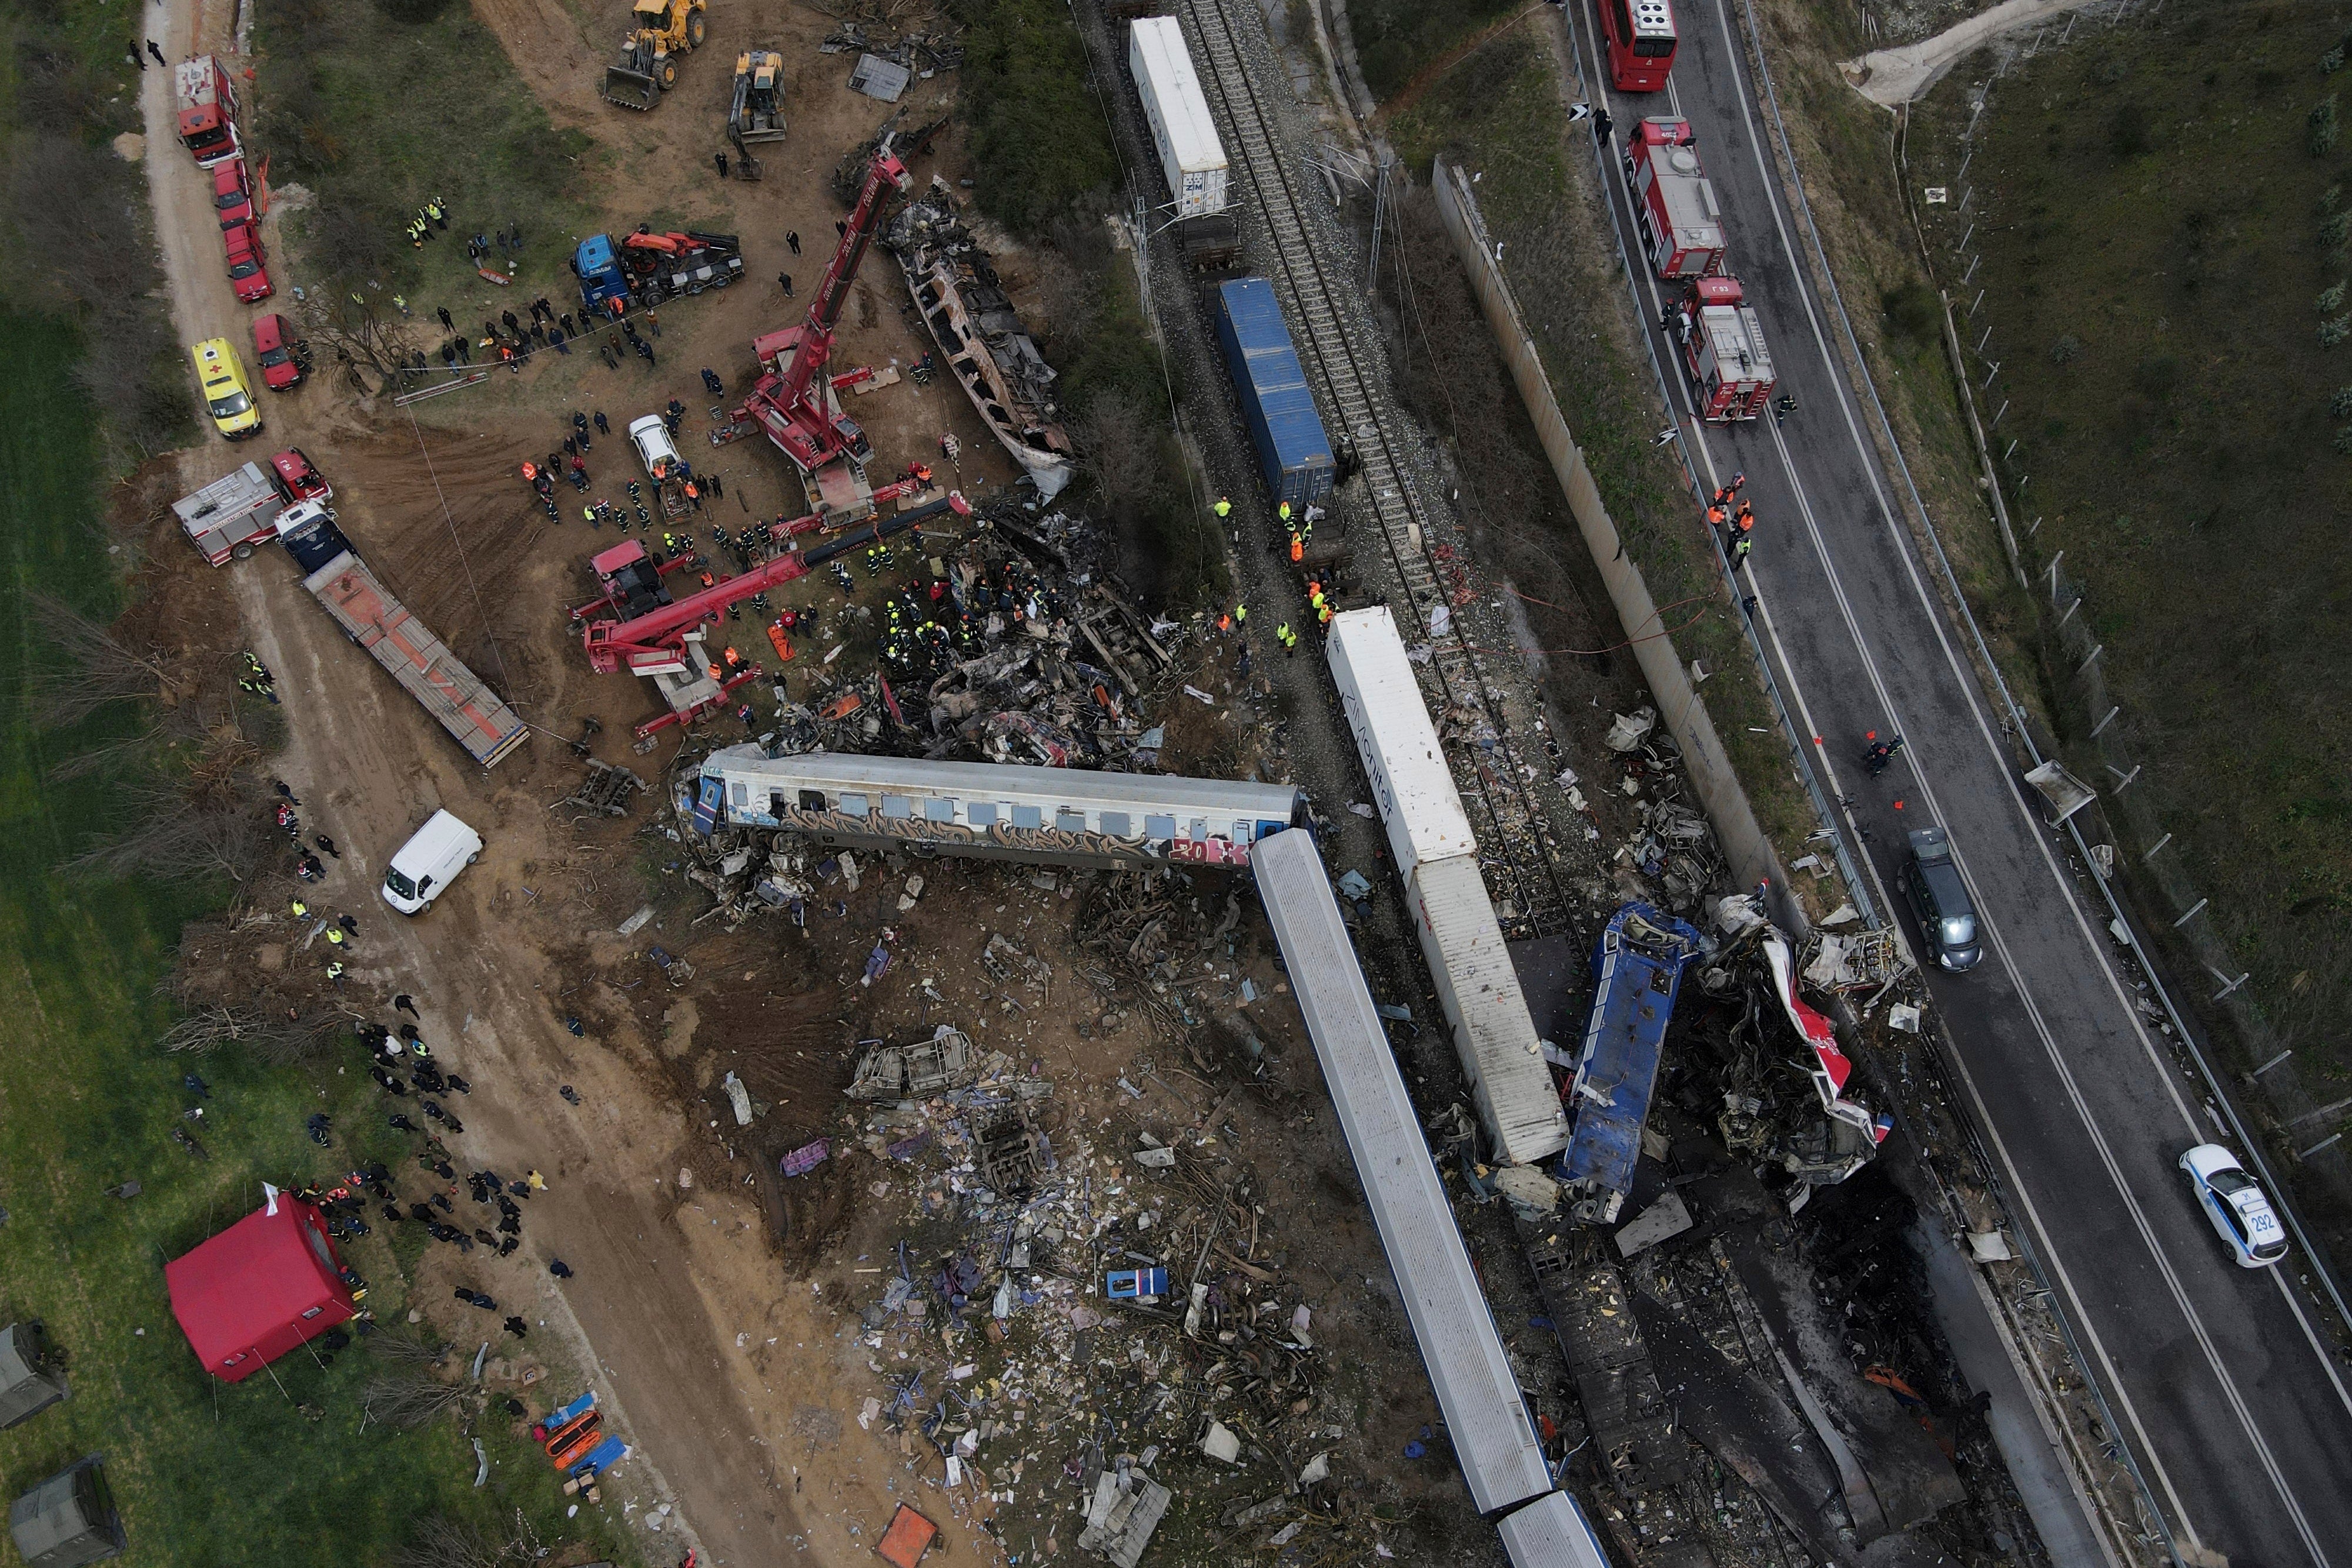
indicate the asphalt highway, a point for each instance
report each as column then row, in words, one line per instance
column 2238, row 1419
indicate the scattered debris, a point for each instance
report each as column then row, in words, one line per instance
column 606, row 792
column 907, row 1072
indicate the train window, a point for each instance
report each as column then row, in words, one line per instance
column 1071, row 822
column 982, row 814
column 1159, row 827
column 1200, row 828
column 1241, row 832
column 811, row 799
column 939, row 810
column 853, row 805
column 897, row 806
column 1115, row 823
column 1028, row 817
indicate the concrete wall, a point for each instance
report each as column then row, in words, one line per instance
column 1680, row 710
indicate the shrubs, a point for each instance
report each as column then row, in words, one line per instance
column 1910, row 311
column 2323, row 126
column 1038, row 138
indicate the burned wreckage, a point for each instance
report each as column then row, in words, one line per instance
column 980, row 335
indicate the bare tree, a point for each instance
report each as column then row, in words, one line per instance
column 407, row 1400
column 406, row 1349
column 179, row 839
column 441, row 1541
column 94, row 666
column 372, row 350
column 271, row 1036
column 1120, row 447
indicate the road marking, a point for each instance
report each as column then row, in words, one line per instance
column 1969, row 687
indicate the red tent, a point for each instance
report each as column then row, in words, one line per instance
column 266, row 1284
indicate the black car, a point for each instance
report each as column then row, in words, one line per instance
column 1931, row 882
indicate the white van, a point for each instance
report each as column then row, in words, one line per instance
column 424, row 867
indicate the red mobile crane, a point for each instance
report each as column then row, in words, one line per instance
column 795, row 402
column 663, row 640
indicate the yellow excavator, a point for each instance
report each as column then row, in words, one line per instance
column 659, row 31
column 757, row 112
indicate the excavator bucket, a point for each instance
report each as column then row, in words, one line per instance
column 630, row 88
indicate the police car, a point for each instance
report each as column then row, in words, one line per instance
column 2235, row 1204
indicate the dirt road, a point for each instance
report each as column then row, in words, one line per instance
column 656, row 1302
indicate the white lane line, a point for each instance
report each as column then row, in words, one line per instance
column 1797, row 691
column 2278, row 1278
column 1965, row 678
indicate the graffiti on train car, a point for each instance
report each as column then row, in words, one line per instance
column 950, row 836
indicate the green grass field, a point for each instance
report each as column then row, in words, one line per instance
column 376, row 114
column 2165, row 272
column 205, row 1473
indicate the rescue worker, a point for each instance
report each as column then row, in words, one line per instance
column 1224, row 509
column 1241, row 613
column 1283, row 635
column 335, row 973
column 301, row 910
column 334, row 936
column 1282, row 512
column 1297, row 549
column 1225, row 624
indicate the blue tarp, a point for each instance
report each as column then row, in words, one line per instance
column 1637, row 964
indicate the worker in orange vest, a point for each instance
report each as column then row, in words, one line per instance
column 1297, row 549
column 1225, row 624
column 733, row 658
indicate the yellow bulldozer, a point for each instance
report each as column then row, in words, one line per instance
column 659, row 31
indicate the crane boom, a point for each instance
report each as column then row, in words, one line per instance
column 791, row 403
column 657, row 636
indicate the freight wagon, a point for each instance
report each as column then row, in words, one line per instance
column 369, row 614
column 1436, row 853
column 1192, row 158
column 1294, row 455
column 1493, row 1438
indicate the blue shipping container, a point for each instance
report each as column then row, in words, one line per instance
column 1292, row 449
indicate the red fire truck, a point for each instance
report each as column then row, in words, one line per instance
column 1674, row 201
column 205, row 96
column 1639, row 38
column 1723, row 348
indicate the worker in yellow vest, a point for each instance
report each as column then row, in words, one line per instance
column 1224, row 509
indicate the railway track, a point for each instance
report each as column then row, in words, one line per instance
column 1515, row 849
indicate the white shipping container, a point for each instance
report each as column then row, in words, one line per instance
column 1476, row 1390
column 1191, row 156
column 1412, row 785
column 1493, row 1033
